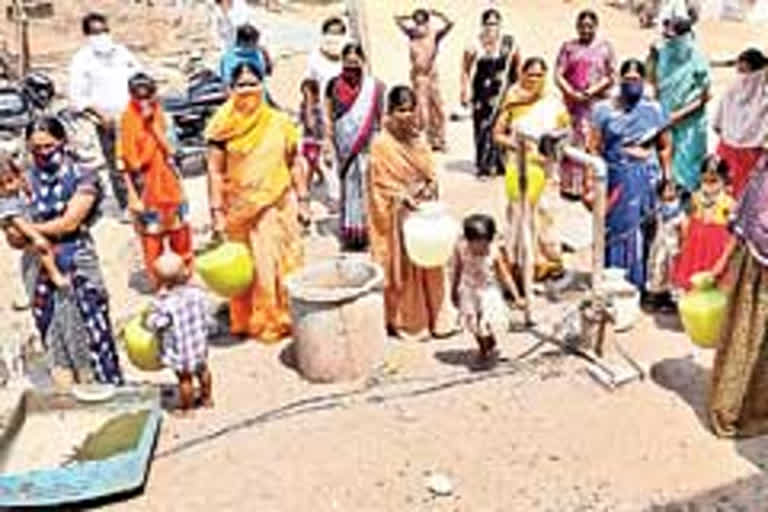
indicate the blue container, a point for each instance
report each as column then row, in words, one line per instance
column 88, row 476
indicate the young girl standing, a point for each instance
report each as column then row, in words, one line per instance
column 665, row 247
column 705, row 235
column 481, row 272
column 312, row 121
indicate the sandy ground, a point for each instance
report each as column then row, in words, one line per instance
column 535, row 433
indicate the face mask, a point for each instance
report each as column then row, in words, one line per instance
column 491, row 31
column 331, row 44
column 404, row 127
column 145, row 107
column 248, row 102
column 352, row 75
column 632, row 92
column 101, row 44
column 48, row 162
column 670, row 208
column 534, row 85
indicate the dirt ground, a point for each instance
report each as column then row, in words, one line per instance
column 535, row 433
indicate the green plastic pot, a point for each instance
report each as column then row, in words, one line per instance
column 702, row 310
column 141, row 345
column 227, row 269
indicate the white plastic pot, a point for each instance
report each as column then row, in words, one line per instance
column 430, row 235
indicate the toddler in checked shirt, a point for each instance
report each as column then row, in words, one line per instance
column 180, row 316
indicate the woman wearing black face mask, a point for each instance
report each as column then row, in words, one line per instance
column 354, row 102
column 74, row 326
column 633, row 169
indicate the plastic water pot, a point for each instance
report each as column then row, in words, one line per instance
column 537, row 180
column 702, row 310
column 227, row 269
column 141, row 345
column 430, row 235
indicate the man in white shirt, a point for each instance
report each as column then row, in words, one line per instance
column 324, row 62
column 98, row 87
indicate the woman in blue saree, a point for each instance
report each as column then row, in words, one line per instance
column 618, row 125
column 682, row 79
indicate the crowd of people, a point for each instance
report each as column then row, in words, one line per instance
column 673, row 210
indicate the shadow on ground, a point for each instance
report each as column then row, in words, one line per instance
column 668, row 322
column 692, row 383
column 460, row 166
column 686, row 379
column 743, row 495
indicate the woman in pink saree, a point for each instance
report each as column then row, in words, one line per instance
column 584, row 73
column 354, row 104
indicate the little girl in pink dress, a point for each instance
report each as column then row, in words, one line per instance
column 481, row 272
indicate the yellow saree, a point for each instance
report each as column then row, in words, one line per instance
column 543, row 112
column 261, row 211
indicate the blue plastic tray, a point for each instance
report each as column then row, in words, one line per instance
column 90, row 480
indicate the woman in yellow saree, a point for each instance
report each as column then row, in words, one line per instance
column 529, row 104
column 257, row 199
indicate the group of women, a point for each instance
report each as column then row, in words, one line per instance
column 259, row 193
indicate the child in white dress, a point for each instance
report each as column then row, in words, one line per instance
column 481, row 272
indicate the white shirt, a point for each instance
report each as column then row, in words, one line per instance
column 321, row 69
column 101, row 81
column 224, row 24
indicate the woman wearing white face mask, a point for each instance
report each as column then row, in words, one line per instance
column 741, row 119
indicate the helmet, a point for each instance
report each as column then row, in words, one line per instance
column 39, row 88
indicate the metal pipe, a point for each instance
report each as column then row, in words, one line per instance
column 600, row 171
column 526, row 226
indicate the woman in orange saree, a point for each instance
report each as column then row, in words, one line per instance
column 401, row 175
column 257, row 199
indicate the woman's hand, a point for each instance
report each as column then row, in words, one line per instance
column 42, row 245
column 15, row 238
column 464, row 97
column 638, row 152
column 430, row 192
column 135, row 205
column 218, row 223
column 719, row 269
column 305, row 213
column 409, row 202
column 329, row 153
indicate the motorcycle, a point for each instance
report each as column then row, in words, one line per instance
column 189, row 114
column 20, row 103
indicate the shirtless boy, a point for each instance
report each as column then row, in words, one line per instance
column 425, row 41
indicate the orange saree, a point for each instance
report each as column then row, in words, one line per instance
column 416, row 299
column 146, row 155
column 262, row 212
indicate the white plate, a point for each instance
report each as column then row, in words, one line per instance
column 93, row 393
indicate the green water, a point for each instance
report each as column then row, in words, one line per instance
column 48, row 431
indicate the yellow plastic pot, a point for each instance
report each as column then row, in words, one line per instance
column 227, row 270
column 702, row 310
column 537, row 179
column 141, row 345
